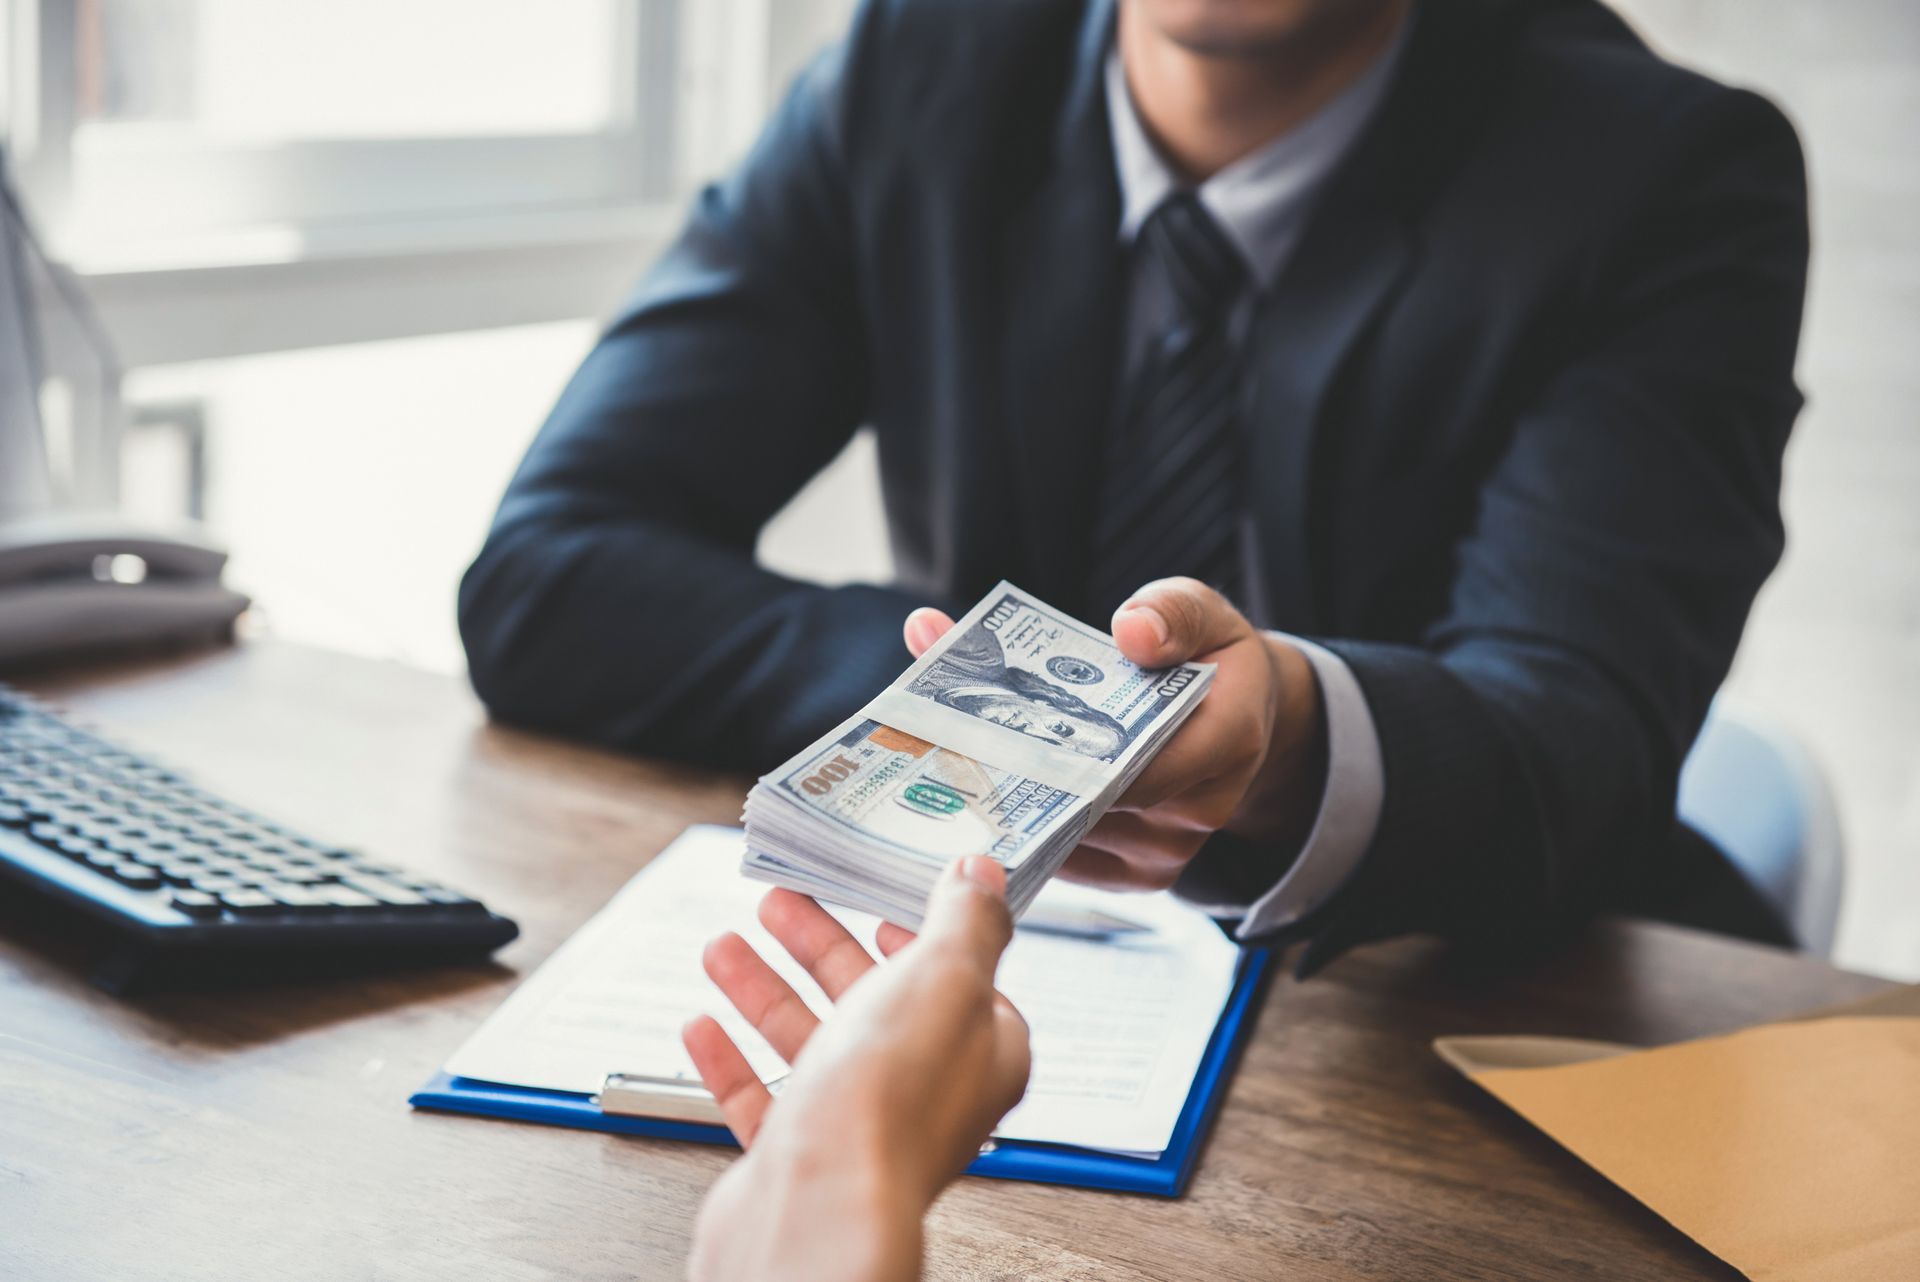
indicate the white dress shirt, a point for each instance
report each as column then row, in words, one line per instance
column 1262, row 202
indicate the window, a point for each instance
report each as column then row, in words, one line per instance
column 346, row 251
column 352, row 483
column 158, row 117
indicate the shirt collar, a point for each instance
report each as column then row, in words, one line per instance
column 1258, row 198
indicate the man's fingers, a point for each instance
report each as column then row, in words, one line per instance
column 925, row 626
column 1172, row 620
column 1101, row 869
column 1189, row 777
column 809, row 932
column 1153, row 841
column 727, row 1076
column 968, row 910
column 767, row 1001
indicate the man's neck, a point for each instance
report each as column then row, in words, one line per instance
column 1206, row 110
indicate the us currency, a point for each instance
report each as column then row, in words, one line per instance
column 1010, row 737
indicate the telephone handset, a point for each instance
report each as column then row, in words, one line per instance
column 73, row 583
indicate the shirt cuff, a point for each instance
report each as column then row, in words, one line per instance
column 1349, row 807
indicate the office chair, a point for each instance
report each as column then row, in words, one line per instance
column 1754, row 790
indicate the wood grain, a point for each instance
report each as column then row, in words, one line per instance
column 264, row 1132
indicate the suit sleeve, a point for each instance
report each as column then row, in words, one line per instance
column 616, row 598
column 1531, row 743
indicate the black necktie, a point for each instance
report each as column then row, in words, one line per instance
column 1170, row 491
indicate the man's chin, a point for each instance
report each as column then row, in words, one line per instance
column 1248, row 28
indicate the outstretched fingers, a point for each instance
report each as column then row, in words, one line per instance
column 742, row 1097
column 812, row 936
column 890, row 939
column 756, row 990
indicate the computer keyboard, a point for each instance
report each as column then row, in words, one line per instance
column 179, row 871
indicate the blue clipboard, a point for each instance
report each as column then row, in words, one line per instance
column 1164, row 1176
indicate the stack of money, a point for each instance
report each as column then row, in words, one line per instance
column 1009, row 738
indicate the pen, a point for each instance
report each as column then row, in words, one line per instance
column 1080, row 923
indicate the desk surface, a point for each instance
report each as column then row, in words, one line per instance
column 266, row 1134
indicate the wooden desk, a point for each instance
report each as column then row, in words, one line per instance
column 266, row 1134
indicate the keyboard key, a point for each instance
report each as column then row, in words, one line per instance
column 218, row 885
column 346, row 897
column 196, row 903
column 387, row 892
column 300, row 899
column 249, row 902
column 136, row 876
column 451, row 900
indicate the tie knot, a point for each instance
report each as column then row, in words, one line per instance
column 1205, row 269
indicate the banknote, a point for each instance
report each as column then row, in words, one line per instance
column 874, row 783
column 1032, row 689
column 1050, row 677
column 1010, row 737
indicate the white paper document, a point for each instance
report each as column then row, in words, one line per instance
column 1119, row 1026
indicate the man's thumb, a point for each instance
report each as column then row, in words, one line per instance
column 1172, row 620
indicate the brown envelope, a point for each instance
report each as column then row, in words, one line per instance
column 1790, row 1150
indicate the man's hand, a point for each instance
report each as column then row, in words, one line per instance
column 1251, row 758
column 888, row 1100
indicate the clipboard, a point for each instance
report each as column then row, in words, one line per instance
column 1165, row 1174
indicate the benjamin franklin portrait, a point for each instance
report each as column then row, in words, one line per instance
column 973, row 677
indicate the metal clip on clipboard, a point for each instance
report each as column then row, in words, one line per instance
column 676, row 1099
column 669, row 1099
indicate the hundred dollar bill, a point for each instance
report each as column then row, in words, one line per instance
column 880, row 786
column 1010, row 737
column 1020, row 684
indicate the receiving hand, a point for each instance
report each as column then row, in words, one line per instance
column 1249, row 759
column 888, row 1100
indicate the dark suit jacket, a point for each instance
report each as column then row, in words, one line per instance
column 1517, row 408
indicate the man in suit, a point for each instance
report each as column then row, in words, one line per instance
column 1425, row 363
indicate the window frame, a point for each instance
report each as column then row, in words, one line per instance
column 703, row 76
column 307, row 185
column 705, row 73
